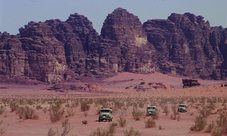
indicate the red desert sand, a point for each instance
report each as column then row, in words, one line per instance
column 118, row 89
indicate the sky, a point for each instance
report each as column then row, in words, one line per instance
column 17, row 13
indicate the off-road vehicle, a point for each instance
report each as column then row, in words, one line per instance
column 150, row 110
column 105, row 114
column 190, row 83
column 182, row 108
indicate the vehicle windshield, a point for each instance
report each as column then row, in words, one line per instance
column 105, row 111
column 182, row 105
column 151, row 108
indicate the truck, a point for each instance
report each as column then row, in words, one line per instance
column 105, row 114
column 150, row 110
column 182, row 108
column 190, row 83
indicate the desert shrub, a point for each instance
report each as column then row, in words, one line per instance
column 112, row 128
column 200, row 123
column 64, row 122
column 38, row 107
column 118, row 104
column 155, row 115
column 56, row 112
column 166, row 110
column 2, row 130
column 66, row 129
column 26, row 113
column 210, row 127
column 99, row 132
column 13, row 106
column 132, row 132
column 122, row 121
column 178, row 117
column 175, row 113
column 222, row 122
column 84, row 106
column 70, row 112
column 205, row 111
column 150, row 123
column 216, row 131
column 2, row 110
column 137, row 114
column 45, row 110
column 51, row 132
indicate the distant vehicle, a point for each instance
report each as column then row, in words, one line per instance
column 190, row 82
column 105, row 114
column 182, row 108
column 150, row 110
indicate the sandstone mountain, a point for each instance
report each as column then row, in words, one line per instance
column 55, row 50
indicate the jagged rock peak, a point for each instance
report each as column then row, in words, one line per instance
column 188, row 18
column 124, row 27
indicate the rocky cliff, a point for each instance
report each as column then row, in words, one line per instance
column 55, row 50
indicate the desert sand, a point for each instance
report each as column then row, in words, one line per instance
column 120, row 88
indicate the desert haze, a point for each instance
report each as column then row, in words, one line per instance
column 72, row 108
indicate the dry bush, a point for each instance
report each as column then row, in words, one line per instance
column 26, row 113
column 166, row 110
column 122, row 121
column 132, row 132
column 200, row 123
column 51, row 132
column 56, row 112
column 150, row 123
column 2, row 130
column 2, row 110
column 109, row 132
column 137, row 114
column 13, row 106
column 210, row 127
column 84, row 106
column 70, row 112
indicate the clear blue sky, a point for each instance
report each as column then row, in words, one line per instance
column 16, row 13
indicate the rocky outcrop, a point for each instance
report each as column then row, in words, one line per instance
column 187, row 45
column 55, row 50
column 124, row 45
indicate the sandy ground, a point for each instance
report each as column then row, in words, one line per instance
column 114, row 87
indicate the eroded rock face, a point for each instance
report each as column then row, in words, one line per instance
column 124, row 45
column 55, row 50
column 187, row 45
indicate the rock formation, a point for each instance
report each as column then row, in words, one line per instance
column 187, row 45
column 55, row 50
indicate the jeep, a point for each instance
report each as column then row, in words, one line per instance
column 182, row 108
column 150, row 110
column 105, row 114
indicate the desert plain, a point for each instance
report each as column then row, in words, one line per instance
column 38, row 110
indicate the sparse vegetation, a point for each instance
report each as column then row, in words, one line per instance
column 132, row 132
column 150, row 123
column 137, row 114
column 200, row 123
column 122, row 121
